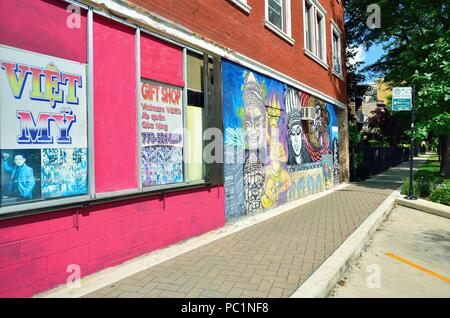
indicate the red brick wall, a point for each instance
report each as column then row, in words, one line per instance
column 229, row 26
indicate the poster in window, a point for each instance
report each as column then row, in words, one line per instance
column 43, row 126
column 21, row 175
column 162, row 133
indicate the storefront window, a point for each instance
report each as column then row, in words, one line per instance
column 43, row 106
column 43, row 127
column 196, row 104
column 161, row 112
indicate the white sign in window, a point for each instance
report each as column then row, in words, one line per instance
column 162, row 133
column 43, row 127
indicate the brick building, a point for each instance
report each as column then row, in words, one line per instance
column 108, row 109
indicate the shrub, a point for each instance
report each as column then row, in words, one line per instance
column 441, row 193
column 426, row 184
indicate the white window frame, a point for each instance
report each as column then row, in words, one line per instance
column 308, row 27
column 242, row 4
column 335, row 30
column 284, row 33
column 317, row 9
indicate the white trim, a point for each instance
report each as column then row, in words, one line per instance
column 340, row 76
column 285, row 17
column 171, row 30
column 318, row 6
column 42, row 204
column 335, row 29
column 278, row 32
column 172, row 186
column 185, row 119
column 317, row 9
column 81, row 5
column 242, row 4
column 323, row 35
column 138, row 106
column 112, row 194
column 311, row 55
column 90, row 102
column 338, row 30
column 306, row 26
column 288, row 18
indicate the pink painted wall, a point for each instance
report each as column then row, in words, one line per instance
column 40, row 26
column 36, row 250
column 115, row 113
column 161, row 61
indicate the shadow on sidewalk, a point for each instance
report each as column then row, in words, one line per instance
column 373, row 185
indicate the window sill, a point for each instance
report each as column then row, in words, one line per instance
column 278, row 32
column 316, row 59
column 339, row 75
column 241, row 5
column 38, row 207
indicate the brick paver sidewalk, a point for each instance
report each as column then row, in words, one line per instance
column 268, row 259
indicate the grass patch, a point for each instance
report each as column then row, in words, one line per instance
column 428, row 184
column 429, row 169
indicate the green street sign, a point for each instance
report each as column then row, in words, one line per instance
column 401, row 98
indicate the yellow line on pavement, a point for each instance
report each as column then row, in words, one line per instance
column 423, row 269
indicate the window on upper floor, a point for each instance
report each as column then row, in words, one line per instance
column 278, row 18
column 242, row 4
column 314, row 31
column 275, row 12
column 309, row 37
column 336, row 49
column 320, row 36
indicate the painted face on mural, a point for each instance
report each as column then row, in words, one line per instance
column 296, row 139
column 254, row 112
column 317, row 124
column 254, row 126
column 294, row 122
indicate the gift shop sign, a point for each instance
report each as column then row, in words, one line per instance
column 161, row 114
column 42, row 101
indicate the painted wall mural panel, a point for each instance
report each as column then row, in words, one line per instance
column 280, row 143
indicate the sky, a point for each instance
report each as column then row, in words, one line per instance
column 369, row 56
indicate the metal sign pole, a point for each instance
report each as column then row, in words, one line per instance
column 411, row 153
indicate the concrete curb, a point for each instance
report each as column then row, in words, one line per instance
column 325, row 278
column 425, row 206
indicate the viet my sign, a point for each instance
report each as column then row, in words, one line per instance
column 401, row 98
column 43, row 126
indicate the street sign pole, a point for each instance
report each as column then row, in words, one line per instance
column 411, row 152
column 403, row 100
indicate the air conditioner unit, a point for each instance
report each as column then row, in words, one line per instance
column 308, row 113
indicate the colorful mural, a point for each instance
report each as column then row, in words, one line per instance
column 281, row 144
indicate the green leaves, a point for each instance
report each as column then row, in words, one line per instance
column 415, row 34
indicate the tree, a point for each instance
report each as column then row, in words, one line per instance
column 415, row 35
column 355, row 77
column 385, row 125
